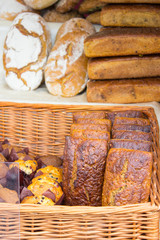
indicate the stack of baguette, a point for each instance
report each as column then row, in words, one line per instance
column 94, row 176
column 124, row 56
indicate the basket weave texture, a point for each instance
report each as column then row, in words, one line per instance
column 43, row 128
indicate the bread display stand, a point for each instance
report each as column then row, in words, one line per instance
column 41, row 121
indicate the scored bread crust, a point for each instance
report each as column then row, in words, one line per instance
column 74, row 25
column 9, row 9
column 39, row 4
column 65, row 72
column 25, row 52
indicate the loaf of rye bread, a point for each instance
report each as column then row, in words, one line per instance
column 127, row 113
column 127, row 177
column 132, row 135
column 124, row 67
column 124, row 91
column 123, row 42
column 83, row 171
column 127, row 15
column 131, row 144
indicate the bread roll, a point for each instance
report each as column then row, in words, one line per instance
column 124, row 91
column 74, row 25
column 94, row 17
column 25, row 53
column 66, row 69
column 54, row 16
column 130, row 15
column 90, row 6
column 39, row 4
column 127, row 177
column 66, row 5
column 123, row 42
column 124, row 67
column 10, row 8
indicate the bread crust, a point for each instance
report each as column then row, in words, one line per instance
column 90, row 6
column 132, row 135
column 127, row 177
column 123, row 67
column 83, row 171
column 131, row 144
column 124, row 91
column 132, row 127
column 66, row 5
column 39, row 4
column 66, row 68
column 131, row 1
column 54, row 16
column 130, row 15
column 90, row 134
column 98, row 127
column 94, row 121
column 123, row 42
column 132, row 121
column 85, row 114
column 94, row 17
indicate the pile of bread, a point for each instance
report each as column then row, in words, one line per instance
column 28, row 56
column 28, row 179
column 108, row 159
column 124, row 55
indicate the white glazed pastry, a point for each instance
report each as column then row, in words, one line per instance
column 10, row 8
column 40, row 4
column 26, row 48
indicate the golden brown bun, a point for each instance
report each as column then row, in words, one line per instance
column 9, row 9
column 122, row 42
column 123, row 181
column 90, row 6
column 66, row 69
column 39, row 4
column 123, row 67
column 130, row 1
column 94, row 17
column 74, row 25
column 124, row 91
column 65, row 5
column 54, row 16
column 130, row 16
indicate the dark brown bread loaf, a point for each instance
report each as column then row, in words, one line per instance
column 132, row 135
column 98, row 127
column 134, row 127
column 132, row 121
column 131, row 144
column 86, row 114
column 90, row 134
column 127, row 177
column 127, row 113
column 123, row 42
column 83, row 171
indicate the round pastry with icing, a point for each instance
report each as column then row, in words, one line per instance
column 40, row 4
column 25, row 52
column 9, row 9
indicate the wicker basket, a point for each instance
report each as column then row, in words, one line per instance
column 43, row 129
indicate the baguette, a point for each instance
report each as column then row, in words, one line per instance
column 130, row 15
column 124, row 91
column 123, row 42
column 124, row 67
